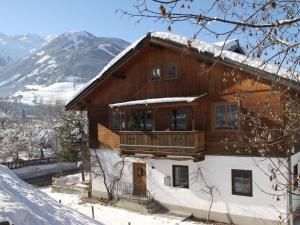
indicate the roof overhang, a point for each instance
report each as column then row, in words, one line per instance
column 156, row 101
column 135, row 47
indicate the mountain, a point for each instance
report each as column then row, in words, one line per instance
column 60, row 67
column 16, row 47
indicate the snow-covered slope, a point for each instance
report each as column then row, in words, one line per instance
column 25, row 205
column 16, row 47
column 67, row 61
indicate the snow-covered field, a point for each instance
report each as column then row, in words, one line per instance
column 59, row 91
column 113, row 216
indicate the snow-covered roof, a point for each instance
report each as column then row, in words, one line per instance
column 24, row 204
column 216, row 51
column 156, row 101
column 212, row 50
column 232, row 45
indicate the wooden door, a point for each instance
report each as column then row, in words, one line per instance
column 139, row 179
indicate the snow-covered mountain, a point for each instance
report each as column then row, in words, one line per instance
column 16, row 47
column 60, row 67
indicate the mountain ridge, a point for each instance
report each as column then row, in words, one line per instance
column 72, row 57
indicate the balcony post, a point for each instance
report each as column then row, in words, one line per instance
column 193, row 119
column 153, row 118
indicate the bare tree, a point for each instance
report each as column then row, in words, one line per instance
column 110, row 178
column 269, row 28
column 199, row 178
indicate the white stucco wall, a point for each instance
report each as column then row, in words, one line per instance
column 295, row 159
column 217, row 172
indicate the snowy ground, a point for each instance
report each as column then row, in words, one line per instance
column 113, row 216
column 48, row 94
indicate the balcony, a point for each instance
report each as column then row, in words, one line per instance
column 163, row 143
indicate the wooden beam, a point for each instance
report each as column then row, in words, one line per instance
column 157, row 46
column 193, row 118
column 119, row 75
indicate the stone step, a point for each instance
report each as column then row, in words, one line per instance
column 179, row 214
column 143, row 206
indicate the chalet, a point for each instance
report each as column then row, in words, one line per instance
column 171, row 107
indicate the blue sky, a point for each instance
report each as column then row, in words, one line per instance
column 51, row 17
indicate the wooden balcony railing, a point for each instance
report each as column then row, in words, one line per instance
column 182, row 143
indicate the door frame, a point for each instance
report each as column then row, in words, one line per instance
column 140, row 187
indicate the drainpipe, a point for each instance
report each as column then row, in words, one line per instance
column 290, row 190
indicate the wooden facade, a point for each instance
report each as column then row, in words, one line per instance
column 195, row 75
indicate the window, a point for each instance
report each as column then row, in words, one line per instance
column 179, row 119
column 241, row 182
column 180, row 176
column 141, row 120
column 295, row 171
column 155, row 73
column 226, row 116
column 171, row 72
column 117, row 120
column 145, row 120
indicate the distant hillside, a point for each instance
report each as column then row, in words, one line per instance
column 60, row 67
column 16, row 47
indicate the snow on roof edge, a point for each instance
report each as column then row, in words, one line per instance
column 216, row 51
column 157, row 101
column 231, row 45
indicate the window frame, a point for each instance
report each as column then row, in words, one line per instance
column 247, row 172
column 166, row 75
column 173, row 177
column 227, row 116
column 111, row 119
column 141, row 115
column 295, row 176
column 151, row 73
column 122, row 118
column 171, row 119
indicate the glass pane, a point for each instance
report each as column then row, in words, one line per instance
column 155, row 74
column 115, row 120
column 173, row 119
column 133, row 123
column 181, row 176
column 123, row 120
column 181, row 119
column 242, row 185
column 171, row 71
column 220, row 116
column 148, row 121
column 141, row 120
column 178, row 119
column 232, row 116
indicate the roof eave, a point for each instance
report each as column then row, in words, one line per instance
column 264, row 74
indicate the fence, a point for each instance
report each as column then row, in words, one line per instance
column 31, row 162
column 133, row 191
